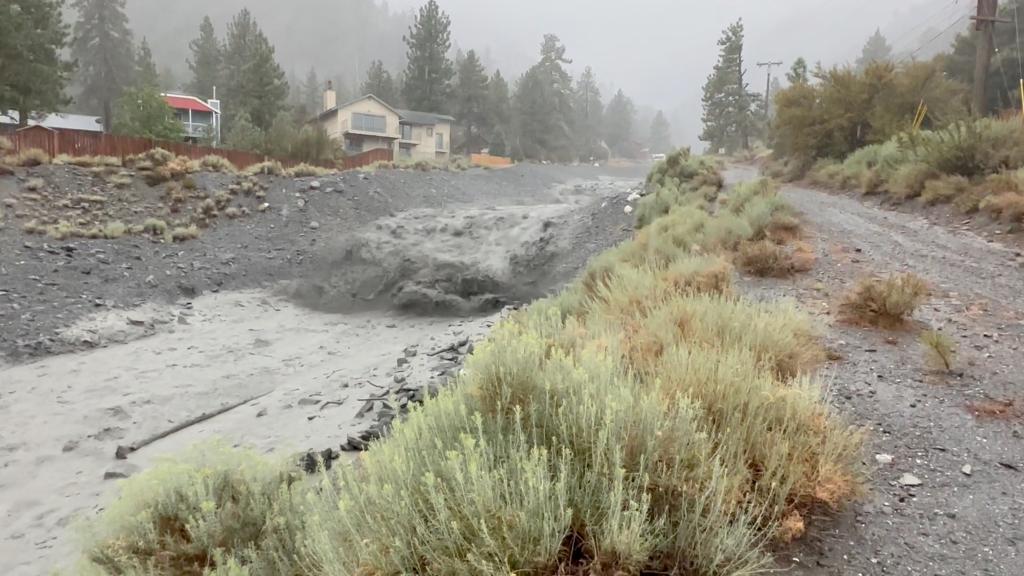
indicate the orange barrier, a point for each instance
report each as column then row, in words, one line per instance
column 490, row 161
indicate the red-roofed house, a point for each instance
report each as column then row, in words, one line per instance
column 200, row 119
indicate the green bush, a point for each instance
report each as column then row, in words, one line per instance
column 945, row 189
column 909, row 181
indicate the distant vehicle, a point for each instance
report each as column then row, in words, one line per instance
column 657, row 157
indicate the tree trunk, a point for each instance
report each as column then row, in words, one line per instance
column 107, row 116
column 23, row 115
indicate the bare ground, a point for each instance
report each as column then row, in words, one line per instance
column 958, row 520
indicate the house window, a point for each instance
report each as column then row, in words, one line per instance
column 430, row 131
column 439, row 141
column 369, row 123
column 406, row 132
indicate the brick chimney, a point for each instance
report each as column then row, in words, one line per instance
column 330, row 97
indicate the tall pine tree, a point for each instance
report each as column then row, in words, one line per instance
column 254, row 83
column 499, row 115
column 145, row 67
column 379, row 82
column 429, row 71
column 589, row 116
column 618, row 121
column 797, row 72
column 876, row 49
column 471, row 100
column 660, row 140
column 103, row 45
column 727, row 101
column 205, row 61
column 543, row 106
column 32, row 73
column 312, row 93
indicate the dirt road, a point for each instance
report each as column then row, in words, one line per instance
column 967, row 514
column 455, row 245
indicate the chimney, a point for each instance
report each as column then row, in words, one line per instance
column 330, row 97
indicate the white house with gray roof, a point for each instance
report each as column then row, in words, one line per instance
column 368, row 122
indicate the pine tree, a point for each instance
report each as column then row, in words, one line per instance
column 876, row 49
column 379, row 82
column 312, row 93
column 471, row 100
column 142, row 112
column 205, row 62
column 429, row 71
column 728, row 103
column 32, row 73
column 168, row 79
column 660, row 141
column 543, row 106
column 145, row 67
column 797, row 72
column 243, row 134
column 103, row 45
column 499, row 114
column 254, row 82
column 619, row 118
column 589, row 116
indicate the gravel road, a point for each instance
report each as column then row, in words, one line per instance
column 961, row 510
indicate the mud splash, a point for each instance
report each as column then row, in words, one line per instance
column 440, row 262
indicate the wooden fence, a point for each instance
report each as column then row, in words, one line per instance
column 490, row 161
column 82, row 143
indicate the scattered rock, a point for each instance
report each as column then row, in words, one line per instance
column 883, row 458
column 908, row 479
column 403, row 361
column 309, row 401
column 261, row 413
column 314, row 185
column 314, row 225
column 69, row 446
column 966, row 470
column 120, row 470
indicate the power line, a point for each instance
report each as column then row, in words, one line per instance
column 937, row 36
column 922, row 26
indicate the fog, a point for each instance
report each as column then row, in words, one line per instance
column 658, row 51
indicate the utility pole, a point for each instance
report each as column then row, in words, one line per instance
column 768, row 84
column 984, row 23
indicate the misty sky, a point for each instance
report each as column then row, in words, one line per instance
column 661, row 51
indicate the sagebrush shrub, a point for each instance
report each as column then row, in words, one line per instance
column 885, row 301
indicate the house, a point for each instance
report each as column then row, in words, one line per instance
column 55, row 121
column 368, row 122
column 200, row 120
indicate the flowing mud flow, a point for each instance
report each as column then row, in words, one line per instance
column 349, row 291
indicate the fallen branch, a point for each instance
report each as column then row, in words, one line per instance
column 122, row 452
column 448, row 348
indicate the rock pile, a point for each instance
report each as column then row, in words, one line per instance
column 396, row 400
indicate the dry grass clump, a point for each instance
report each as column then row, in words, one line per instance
column 215, row 163
column 152, row 158
column 154, row 226
column 120, row 180
column 993, row 409
column 764, row 258
column 909, row 180
column 1008, row 206
column 945, row 189
column 268, row 168
column 5, row 145
column 306, row 170
column 28, row 158
column 646, row 420
column 940, row 350
column 183, row 233
column 886, row 302
column 114, row 230
column 35, row 184
column 88, row 161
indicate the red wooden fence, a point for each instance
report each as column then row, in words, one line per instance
column 82, row 143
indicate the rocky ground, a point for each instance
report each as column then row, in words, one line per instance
column 309, row 325
column 945, row 451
